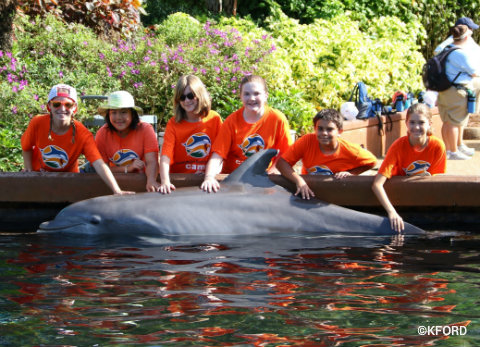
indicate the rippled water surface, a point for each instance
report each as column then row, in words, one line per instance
column 276, row 290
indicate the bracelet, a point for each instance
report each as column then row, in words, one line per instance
column 126, row 168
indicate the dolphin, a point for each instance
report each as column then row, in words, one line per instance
column 248, row 203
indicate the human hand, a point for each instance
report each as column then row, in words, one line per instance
column 210, row 184
column 124, row 192
column 166, row 188
column 396, row 222
column 305, row 192
column 341, row 175
column 153, row 186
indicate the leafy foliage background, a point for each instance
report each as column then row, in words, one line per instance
column 311, row 53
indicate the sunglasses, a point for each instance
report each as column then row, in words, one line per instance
column 67, row 105
column 190, row 96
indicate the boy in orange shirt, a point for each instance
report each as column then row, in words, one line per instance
column 324, row 153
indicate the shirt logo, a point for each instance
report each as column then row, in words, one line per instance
column 320, row 170
column 54, row 157
column 124, row 157
column 252, row 145
column 198, row 145
column 418, row 168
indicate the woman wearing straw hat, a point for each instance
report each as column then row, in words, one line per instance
column 125, row 142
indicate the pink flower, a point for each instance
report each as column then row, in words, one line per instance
column 60, row 74
column 14, row 109
column 101, row 56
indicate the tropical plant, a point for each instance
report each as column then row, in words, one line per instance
column 326, row 58
column 106, row 17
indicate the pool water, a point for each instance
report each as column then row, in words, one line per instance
column 275, row 290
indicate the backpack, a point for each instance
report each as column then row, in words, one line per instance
column 362, row 101
column 433, row 72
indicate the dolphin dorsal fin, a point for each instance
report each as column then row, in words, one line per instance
column 253, row 170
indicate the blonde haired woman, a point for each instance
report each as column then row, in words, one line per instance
column 190, row 133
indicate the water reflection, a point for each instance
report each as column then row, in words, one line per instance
column 275, row 291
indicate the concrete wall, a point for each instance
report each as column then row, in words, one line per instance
column 366, row 132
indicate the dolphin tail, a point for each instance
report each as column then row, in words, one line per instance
column 253, row 170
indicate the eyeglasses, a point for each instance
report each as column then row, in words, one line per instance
column 67, row 105
column 190, row 96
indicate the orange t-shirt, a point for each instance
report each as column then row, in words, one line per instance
column 121, row 151
column 403, row 160
column 314, row 162
column 60, row 154
column 238, row 139
column 188, row 145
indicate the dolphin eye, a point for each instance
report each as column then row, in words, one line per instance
column 96, row 219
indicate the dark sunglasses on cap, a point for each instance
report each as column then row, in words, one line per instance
column 190, row 96
column 57, row 104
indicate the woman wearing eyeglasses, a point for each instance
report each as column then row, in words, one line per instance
column 54, row 141
column 190, row 133
column 125, row 142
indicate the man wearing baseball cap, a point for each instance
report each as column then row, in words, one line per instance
column 470, row 45
column 54, row 141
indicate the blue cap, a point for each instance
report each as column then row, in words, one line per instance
column 468, row 22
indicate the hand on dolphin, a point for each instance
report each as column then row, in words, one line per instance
column 166, row 188
column 124, row 192
column 153, row 186
column 210, row 184
column 304, row 191
column 396, row 222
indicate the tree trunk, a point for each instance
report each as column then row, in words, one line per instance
column 229, row 7
column 8, row 9
column 214, row 5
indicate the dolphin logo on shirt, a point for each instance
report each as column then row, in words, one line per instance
column 124, row 157
column 54, row 157
column 320, row 170
column 418, row 168
column 198, row 145
column 252, row 144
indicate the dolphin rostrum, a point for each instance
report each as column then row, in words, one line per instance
column 248, row 203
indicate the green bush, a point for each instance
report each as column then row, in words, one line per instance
column 307, row 67
column 158, row 11
column 10, row 150
column 326, row 58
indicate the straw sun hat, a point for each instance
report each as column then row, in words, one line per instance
column 118, row 100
